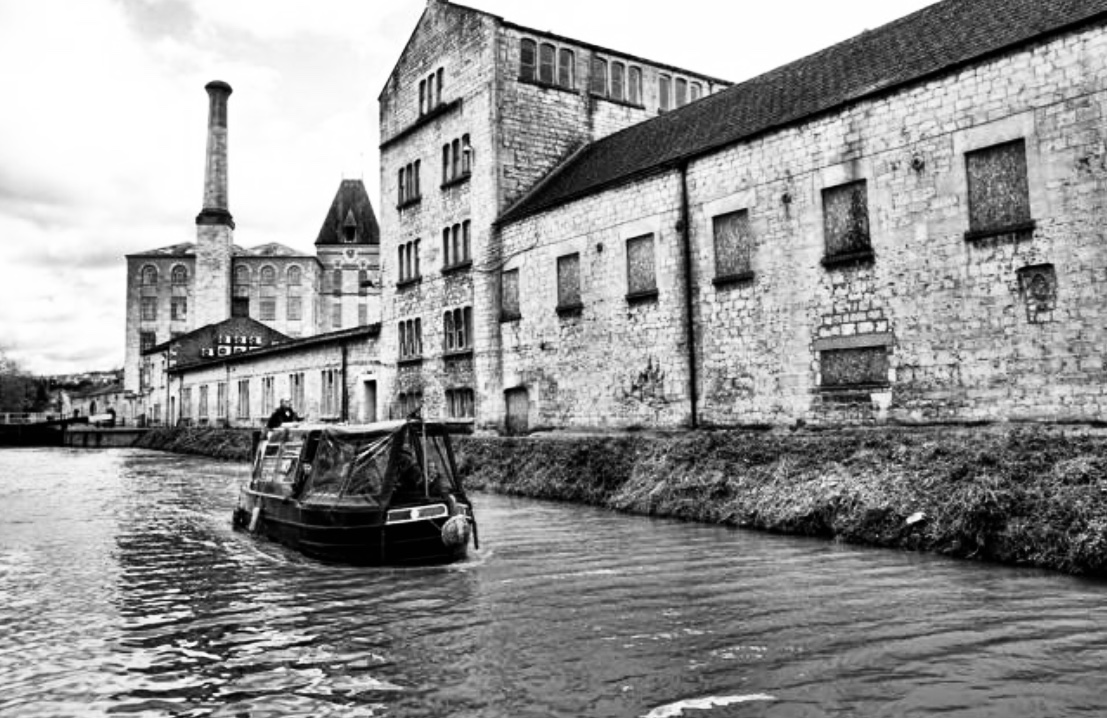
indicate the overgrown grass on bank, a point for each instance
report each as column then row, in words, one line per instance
column 1031, row 496
column 229, row 444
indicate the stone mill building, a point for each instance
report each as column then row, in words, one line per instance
column 907, row 226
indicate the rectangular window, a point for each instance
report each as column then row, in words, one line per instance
column 411, row 338
column 528, row 59
column 466, row 155
column 846, row 220
column 295, row 309
column 457, row 329
column 618, row 79
column 568, row 282
column 267, row 309
column 599, row 77
column 240, row 306
column 999, row 194
column 267, row 395
column 408, row 269
column 641, row 278
column 733, row 246
column 178, row 308
column 459, row 403
column 203, row 412
column 634, row 85
column 336, row 316
column 221, row 400
column 509, row 295
column 566, row 69
column 664, row 91
column 422, row 97
column 862, row 366
column 243, row 399
column 146, row 340
column 186, row 403
column 296, row 391
column 546, row 55
column 149, row 309
column 362, row 314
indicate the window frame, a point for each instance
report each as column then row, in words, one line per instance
column 979, row 229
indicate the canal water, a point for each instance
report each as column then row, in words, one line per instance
column 124, row 591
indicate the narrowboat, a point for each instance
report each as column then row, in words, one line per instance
column 386, row 493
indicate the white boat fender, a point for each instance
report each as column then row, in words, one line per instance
column 255, row 517
column 455, row 532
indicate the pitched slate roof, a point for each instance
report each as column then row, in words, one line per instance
column 184, row 249
column 351, row 208
column 936, row 40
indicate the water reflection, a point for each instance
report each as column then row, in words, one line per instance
column 123, row 590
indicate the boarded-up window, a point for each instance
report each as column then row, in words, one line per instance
column 509, row 295
column 854, row 367
column 566, row 65
column 733, row 244
column 546, row 63
column 641, row 278
column 846, row 219
column 295, row 309
column 999, row 196
column 568, row 281
column 528, row 60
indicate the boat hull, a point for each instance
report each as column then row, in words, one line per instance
column 346, row 534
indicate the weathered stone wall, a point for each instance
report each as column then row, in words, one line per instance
column 962, row 334
column 519, row 131
column 461, row 43
column 163, row 326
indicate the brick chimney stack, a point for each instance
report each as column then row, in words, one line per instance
column 214, row 224
column 216, row 210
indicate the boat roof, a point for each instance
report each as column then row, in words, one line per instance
column 378, row 427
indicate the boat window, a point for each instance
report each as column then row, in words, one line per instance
column 349, row 467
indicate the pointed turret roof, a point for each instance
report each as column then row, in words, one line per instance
column 351, row 213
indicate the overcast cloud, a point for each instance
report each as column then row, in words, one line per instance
column 102, row 129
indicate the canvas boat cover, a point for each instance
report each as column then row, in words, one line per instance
column 378, row 465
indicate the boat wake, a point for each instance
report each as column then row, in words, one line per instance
column 673, row 710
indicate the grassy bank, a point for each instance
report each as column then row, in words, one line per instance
column 229, row 444
column 1024, row 496
column 1033, row 496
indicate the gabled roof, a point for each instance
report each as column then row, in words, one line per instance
column 351, row 209
column 938, row 39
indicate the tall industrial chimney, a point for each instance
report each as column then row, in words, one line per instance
column 214, row 224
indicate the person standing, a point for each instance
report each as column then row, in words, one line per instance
column 282, row 415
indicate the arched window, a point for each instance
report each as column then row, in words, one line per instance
column 295, row 276
column 149, row 275
column 268, row 275
column 566, row 66
column 179, row 275
column 528, row 59
column 546, row 55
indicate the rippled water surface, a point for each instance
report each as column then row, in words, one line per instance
column 124, row 591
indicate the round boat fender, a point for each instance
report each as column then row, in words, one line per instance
column 255, row 519
column 455, row 532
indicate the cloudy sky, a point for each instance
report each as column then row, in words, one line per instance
column 103, row 121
